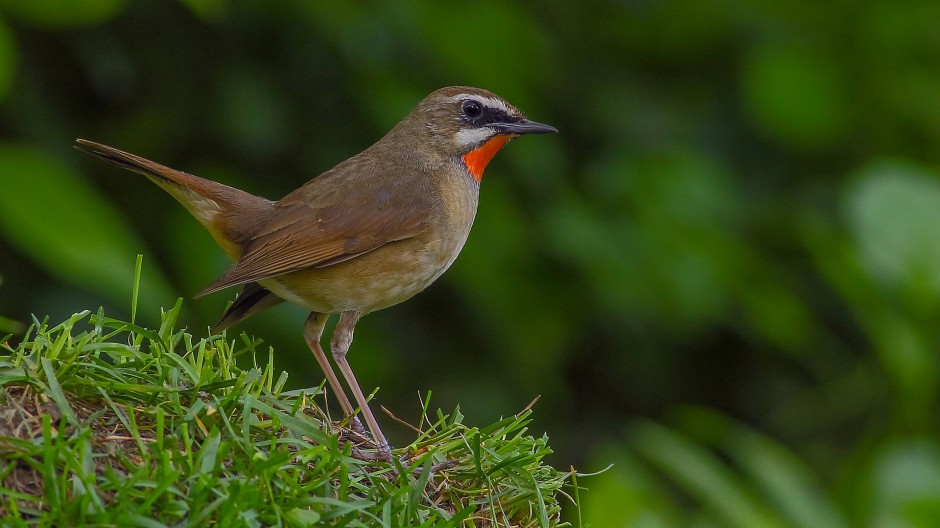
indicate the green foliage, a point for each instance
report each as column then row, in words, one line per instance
column 795, row 95
column 103, row 422
column 63, row 13
column 741, row 478
column 7, row 59
column 65, row 226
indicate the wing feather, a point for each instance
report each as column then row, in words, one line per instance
column 329, row 221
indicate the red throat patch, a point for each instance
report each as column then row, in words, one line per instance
column 477, row 159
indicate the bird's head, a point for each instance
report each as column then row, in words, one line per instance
column 471, row 124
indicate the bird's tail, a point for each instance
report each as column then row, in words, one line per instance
column 229, row 214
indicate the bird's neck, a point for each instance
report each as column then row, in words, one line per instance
column 477, row 159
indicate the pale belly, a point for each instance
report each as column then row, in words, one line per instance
column 375, row 280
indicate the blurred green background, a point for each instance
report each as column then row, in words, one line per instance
column 722, row 275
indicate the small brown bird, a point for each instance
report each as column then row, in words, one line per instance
column 365, row 235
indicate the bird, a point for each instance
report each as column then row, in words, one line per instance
column 369, row 233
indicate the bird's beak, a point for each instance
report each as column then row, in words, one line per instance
column 526, row 127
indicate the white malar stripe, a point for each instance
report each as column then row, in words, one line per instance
column 466, row 137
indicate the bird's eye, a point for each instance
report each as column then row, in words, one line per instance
column 471, row 109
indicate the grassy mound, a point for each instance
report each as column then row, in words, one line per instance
column 104, row 422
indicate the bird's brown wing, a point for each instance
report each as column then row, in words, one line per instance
column 327, row 222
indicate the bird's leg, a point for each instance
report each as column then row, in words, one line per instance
column 339, row 346
column 313, row 330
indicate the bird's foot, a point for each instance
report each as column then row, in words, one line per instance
column 367, row 455
column 384, row 454
column 363, row 446
column 356, row 426
column 440, row 466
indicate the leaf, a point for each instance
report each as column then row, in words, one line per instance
column 904, row 484
column 7, row 59
column 796, row 95
column 894, row 213
column 786, row 481
column 302, row 517
column 63, row 13
column 56, row 219
column 702, row 475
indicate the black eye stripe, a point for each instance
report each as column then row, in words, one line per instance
column 476, row 113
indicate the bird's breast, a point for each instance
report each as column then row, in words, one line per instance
column 395, row 271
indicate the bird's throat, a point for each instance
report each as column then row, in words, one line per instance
column 477, row 159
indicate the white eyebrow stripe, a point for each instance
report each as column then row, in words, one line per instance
column 489, row 102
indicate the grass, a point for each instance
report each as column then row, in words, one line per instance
column 106, row 423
